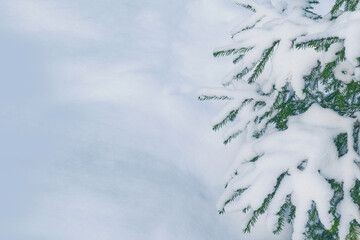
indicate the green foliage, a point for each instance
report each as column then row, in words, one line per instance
column 341, row 144
column 247, row 6
column 242, row 73
column 236, row 194
column 323, row 88
column 343, row 98
column 356, row 133
column 255, row 158
column 350, row 5
column 337, row 6
column 302, row 165
column 238, row 59
column 309, row 10
column 322, row 44
column 288, row 104
column 231, row 51
column 314, row 228
column 205, row 97
column 245, row 28
column 231, row 116
column 261, row 64
column 354, row 231
column 337, row 197
column 261, row 210
column 355, row 192
column 231, row 137
column 285, row 214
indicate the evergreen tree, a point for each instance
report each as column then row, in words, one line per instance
column 294, row 106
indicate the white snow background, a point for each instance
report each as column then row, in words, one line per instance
column 101, row 133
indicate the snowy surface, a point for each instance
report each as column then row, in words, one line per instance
column 101, row 131
column 102, row 136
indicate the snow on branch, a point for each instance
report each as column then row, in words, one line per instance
column 293, row 104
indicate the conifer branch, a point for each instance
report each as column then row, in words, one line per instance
column 247, row 6
column 205, row 97
column 337, row 6
column 282, row 215
column 261, row 210
column 261, row 65
column 232, row 51
column 322, row 44
column 230, row 138
column 234, row 196
column 351, row 5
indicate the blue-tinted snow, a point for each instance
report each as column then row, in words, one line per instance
column 102, row 136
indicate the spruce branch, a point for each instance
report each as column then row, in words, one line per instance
column 261, row 210
column 322, row 44
column 232, row 51
column 261, row 65
column 337, row 6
